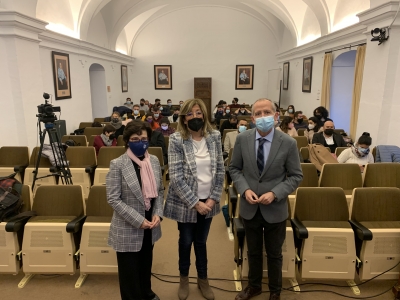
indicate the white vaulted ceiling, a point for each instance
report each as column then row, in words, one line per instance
column 123, row 20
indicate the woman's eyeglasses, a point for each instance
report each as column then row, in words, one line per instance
column 137, row 140
column 197, row 114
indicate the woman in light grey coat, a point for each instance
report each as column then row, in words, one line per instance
column 135, row 192
column 196, row 172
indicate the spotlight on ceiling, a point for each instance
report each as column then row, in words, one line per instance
column 379, row 35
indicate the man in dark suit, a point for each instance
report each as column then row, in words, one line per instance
column 329, row 138
column 265, row 169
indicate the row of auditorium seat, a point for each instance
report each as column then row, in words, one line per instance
column 327, row 239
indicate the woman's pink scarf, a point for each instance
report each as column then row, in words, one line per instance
column 149, row 186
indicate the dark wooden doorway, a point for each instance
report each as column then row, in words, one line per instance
column 203, row 91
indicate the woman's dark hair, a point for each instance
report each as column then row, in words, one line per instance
column 108, row 128
column 322, row 110
column 291, row 106
column 221, row 102
column 285, row 123
column 96, row 124
column 365, row 139
column 164, row 120
column 316, row 122
column 135, row 127
column 149, row 114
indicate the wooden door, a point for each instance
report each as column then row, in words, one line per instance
column 203, row 91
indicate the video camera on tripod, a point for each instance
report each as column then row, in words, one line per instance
column 60, row 169
column 46, row 111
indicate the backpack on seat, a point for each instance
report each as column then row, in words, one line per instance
column 10, row 199
column 319, row 155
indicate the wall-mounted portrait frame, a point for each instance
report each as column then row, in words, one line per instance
column 61, row 75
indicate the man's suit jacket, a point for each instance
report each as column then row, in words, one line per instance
column 182, row 190
column 318, row 138
column 282, row 174
column 125, row 196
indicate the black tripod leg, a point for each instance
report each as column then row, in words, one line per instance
column 42, row 137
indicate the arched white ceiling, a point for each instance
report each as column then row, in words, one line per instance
column 305, row 20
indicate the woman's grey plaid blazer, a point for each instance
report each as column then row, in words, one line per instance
column 125, row 196
column 182, row 191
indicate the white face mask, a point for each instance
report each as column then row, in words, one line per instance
column 164, row 127
column 310, row 126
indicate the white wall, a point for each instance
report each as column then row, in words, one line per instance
column 98, row 91
column 203, row 42
column 305, row 102
column 97, row 33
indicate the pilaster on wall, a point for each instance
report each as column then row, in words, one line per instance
column 20, row 75
column 380, row 94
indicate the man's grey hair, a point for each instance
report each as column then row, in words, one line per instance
column 263, row 99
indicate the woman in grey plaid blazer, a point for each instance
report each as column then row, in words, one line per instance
column 196, row 172
column 135, row 192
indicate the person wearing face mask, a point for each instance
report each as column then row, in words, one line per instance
column 299, row 121
column 164, row 128
column 231, row 123
column 136, row 113
column 166, row 112
column 135, row 192
column 175, row 116
column 329, row 138
column 265, row 169
column 230, row 137
column 242, row 111
column 321, row 113
column 156, row 116
column 106, row 139
column 149, row 118
column 219, row 115
column 128, row 103
column 143, row 105
column 196, row 172
column 117, row 123
column 359, row 153
column 290, row 111
column 287, row 126
column 313, row 127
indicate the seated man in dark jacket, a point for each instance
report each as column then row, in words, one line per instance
column 231, row 123
column 329, row 138
column 157, row 140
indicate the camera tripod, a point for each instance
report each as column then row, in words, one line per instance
column 61, row 168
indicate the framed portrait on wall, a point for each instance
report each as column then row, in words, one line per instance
column 163, row 77
column 285, row 84
column 244, row 77
column 124, row 78
column 61, row 75
column 307, row 74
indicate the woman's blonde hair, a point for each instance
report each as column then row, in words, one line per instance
column 185, row 109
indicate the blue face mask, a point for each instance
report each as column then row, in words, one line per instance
column 242, row 128
column 363, row 150
column 169, row 104
column 136, row 112
column 138, row 148
column 156, row 115
column 227, row 111
column 265, row 124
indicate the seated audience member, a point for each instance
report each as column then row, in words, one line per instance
column 175, row 116
column 143, row 106
column 107, row 138
column 359, row 153
column 218, row 115
column 287, row 126
column 128, row 103
column 157, row 140
column 231, row 123
column 290, row 111
column 149, row 118
column 299, row 121
column 180, row 103
column 235, row 104
column 156, row 115
column 278, row 122
column 242, row 111
column 149, row 105
column 312, row 128
column 136, row 113
column 227, row 113
column 165, row 129
column 166, row 111
column 230, row 137
column 220, row 103
column 116, row 122
column 329, row 138
column 321, row 113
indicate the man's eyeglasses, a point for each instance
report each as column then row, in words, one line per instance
column 137, row 140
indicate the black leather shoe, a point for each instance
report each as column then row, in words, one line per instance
column 275, row 297
column 248, row 293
